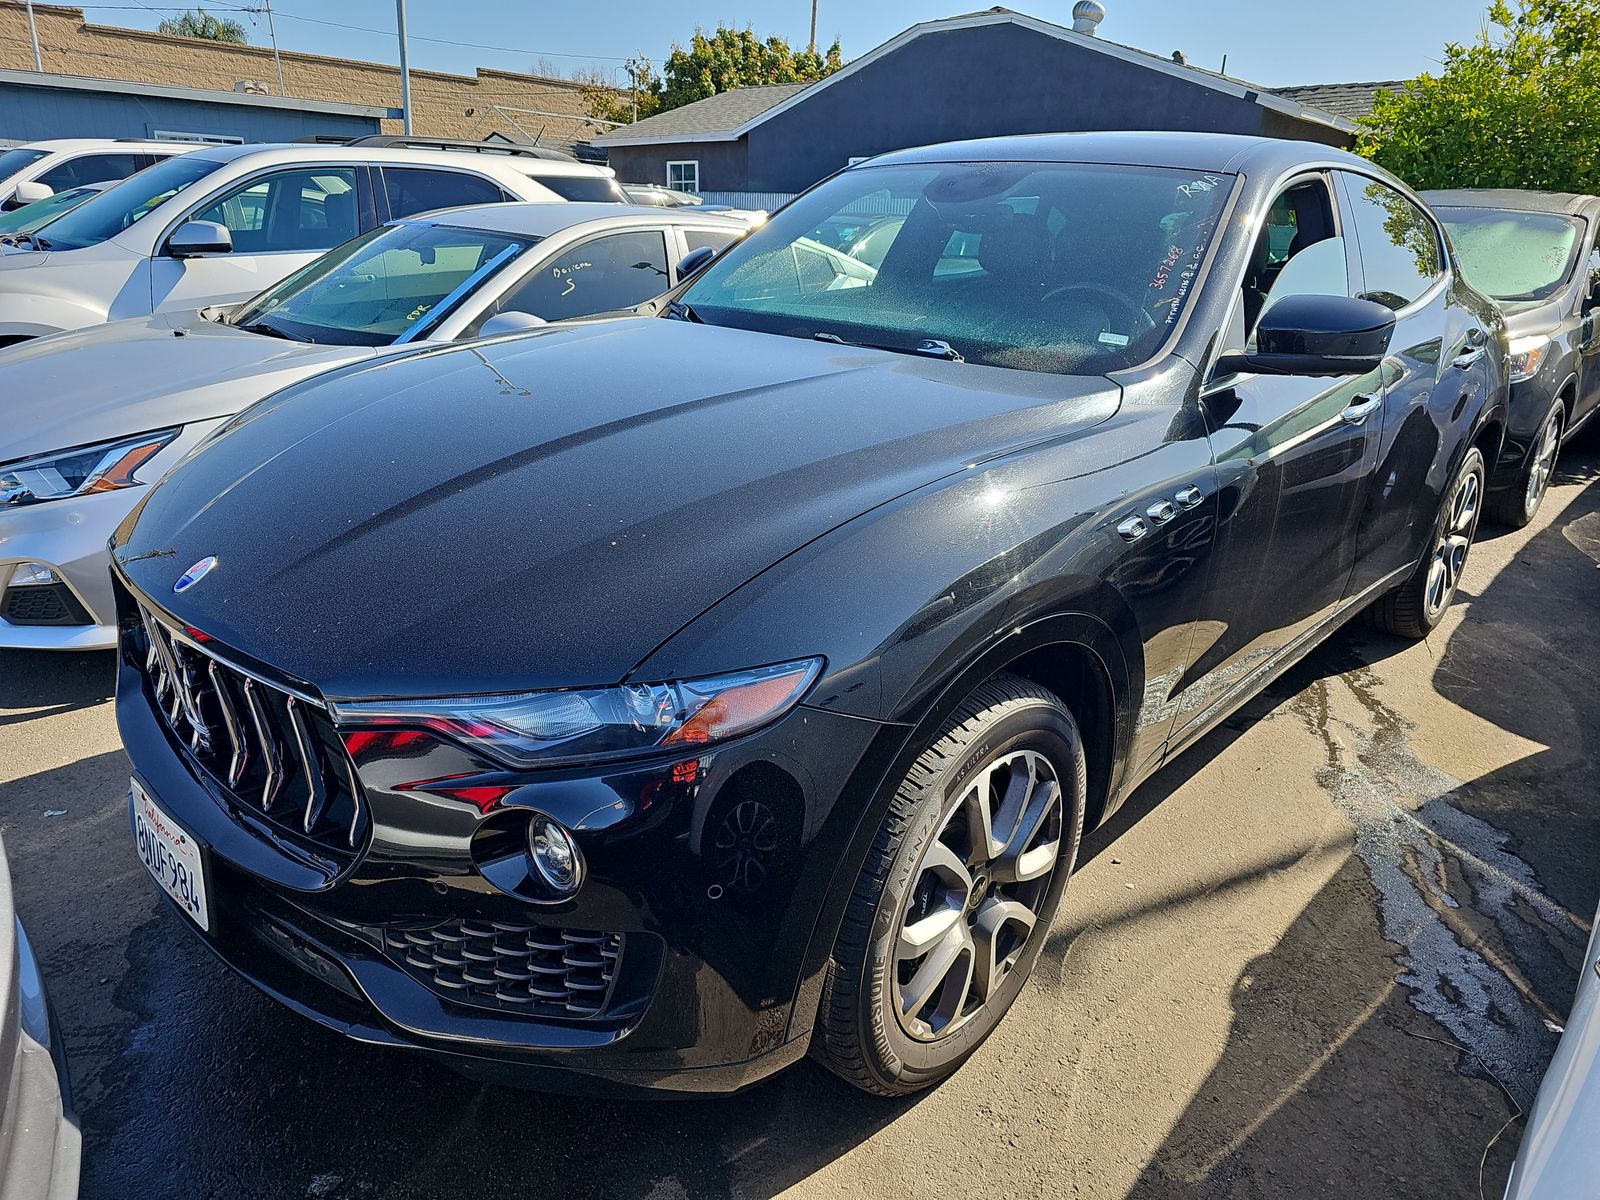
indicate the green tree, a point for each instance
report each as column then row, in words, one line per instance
column 1517, row 107
column 201, row 24
column 710, row 63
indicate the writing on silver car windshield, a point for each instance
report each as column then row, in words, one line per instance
column 1057, row 267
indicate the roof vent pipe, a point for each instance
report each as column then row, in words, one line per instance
column 1086, row 16
column 1179, row 57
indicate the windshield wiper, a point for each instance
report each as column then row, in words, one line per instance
column 273, row 331
column 927, row 348
column 682, row 312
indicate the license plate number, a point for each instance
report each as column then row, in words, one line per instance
column 171, row 856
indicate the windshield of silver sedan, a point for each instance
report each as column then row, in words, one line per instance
column 1070, row 268
column 387, row 286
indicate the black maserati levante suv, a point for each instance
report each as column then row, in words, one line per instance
column 654, row 700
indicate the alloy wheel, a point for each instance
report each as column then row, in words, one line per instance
column 1544, row 463
column 974, row 900
column 1454, row 541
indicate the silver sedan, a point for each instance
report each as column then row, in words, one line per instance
column 89, row 417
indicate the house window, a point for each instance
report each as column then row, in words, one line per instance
column 685, row 176
column 206, row 139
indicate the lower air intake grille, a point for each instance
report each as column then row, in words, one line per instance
column 275, row 752
column 529, row 969
column 46, row 604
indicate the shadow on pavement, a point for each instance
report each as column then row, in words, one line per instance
column 54, row 682
column 1483, row 890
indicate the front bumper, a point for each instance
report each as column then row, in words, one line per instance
column 69, row 536
column 714, row 950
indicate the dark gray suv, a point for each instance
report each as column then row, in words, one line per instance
column 1536, row 254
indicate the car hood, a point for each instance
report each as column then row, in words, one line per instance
column 1525, row 317
column 545, row 510
column 130, row 376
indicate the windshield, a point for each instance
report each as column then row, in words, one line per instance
column 1057, row 267
column 116, row 209
column 13, row 161
column 32, row 216
column 1514, row 255
column 386, row 286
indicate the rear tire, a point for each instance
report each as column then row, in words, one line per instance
column 956, row 896
column 1415, row 608
column 1518, row 504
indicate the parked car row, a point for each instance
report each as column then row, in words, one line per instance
column 724, row 663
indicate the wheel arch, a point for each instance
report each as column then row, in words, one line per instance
column 1072, row 654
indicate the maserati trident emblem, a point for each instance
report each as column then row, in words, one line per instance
column 195, row 573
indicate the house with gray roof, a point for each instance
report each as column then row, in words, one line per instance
column 978, row 75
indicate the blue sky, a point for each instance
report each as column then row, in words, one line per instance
column 1272, row 42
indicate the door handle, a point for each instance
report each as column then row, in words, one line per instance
column 1477, row 343
column 1363, row 408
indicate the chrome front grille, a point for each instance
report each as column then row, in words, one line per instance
column 531, row 969
column 275, row 751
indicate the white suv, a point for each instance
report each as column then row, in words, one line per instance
column 220, row 224
column 40, row 169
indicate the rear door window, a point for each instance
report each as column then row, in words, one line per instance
column 596, row 188
column 1400, row 251
column 90, row 168
column 412, row 190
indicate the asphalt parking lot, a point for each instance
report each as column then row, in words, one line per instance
column 1323, row 952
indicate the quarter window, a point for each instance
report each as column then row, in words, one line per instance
column 310, row 208
column 413, row 190
column 615, row 271
column 1400, row 253
column 685, row 176
column 699, row 239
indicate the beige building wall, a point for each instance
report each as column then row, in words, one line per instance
column 443, row 105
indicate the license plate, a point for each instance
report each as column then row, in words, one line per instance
column 170, row 855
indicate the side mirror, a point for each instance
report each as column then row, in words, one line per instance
column 199, row 237
column 32, row 192
column 510, row 321
column 694, row 260
column 1316, row 336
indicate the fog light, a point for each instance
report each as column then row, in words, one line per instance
column 32, row 574
column 554, row 856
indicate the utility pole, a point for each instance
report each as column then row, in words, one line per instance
column 405, row 67
column 813, row 26
column 33, row 36
column 272, row 32
column 637, row 65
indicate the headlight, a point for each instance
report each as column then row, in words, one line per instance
column 1527, row 355
column 541, row 729
column 102, row 467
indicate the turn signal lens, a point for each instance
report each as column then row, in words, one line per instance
column 536, row 729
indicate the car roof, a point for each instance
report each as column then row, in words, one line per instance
column 311, row 152
column 67, row 145
column 546, row 219
column 1224, row 152
column 1513, row 199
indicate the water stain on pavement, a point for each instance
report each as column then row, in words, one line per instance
column 1463, row 910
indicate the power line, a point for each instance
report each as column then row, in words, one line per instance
column 387, row 33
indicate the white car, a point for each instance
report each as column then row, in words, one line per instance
column 86, row 418
column 1560, row 1154
column 219, row 224
column 39, row 169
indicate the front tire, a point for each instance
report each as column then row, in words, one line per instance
column 955, row 899
column 1518, row 504
column 1416, row 607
